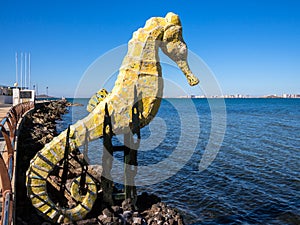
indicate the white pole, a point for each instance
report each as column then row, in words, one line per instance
column 25, row 70
column 21, row 73
column 29, row 71
column 16, row 68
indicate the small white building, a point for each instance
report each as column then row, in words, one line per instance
column 21, row 96
column 6, row 95
column 15, row 95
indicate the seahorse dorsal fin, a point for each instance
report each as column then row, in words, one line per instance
column 96, row 99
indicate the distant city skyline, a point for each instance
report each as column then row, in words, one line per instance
column 252, row 47
column 243, row 96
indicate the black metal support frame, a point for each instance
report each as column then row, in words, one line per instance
column 130, row 155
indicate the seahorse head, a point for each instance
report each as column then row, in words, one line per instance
column 174, row 46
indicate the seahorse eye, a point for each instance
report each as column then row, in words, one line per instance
column 182, row 48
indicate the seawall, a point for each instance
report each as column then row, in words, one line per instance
column 38, row 128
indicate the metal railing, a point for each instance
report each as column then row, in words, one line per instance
column 8, row 127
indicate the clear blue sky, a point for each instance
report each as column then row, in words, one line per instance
column 253, row 47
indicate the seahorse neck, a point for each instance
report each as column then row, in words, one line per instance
column 142, row 56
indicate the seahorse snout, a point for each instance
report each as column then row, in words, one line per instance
column 192, row 79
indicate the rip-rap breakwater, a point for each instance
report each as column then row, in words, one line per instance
column 39, row 128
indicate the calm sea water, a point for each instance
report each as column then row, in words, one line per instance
column 255, row 177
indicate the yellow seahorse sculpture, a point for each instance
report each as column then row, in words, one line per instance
column 140, row 70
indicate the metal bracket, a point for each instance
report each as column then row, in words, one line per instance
column 130, row 156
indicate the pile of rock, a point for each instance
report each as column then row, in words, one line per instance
column 126, row 214
column 39, row 128
column 158, row 214
column 43, row 127
column 148, row 209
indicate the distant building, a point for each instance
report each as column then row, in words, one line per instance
column 6, row 90
column 15, row 95
column 6, row 94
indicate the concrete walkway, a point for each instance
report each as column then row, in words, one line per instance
column 4, row 108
